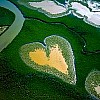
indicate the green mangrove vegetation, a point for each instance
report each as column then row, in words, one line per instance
column 6, row 17
column 21, row 82
column 92, row 83
column 85, row 30
column 14, row 29
column 49, row 13
column 50, row 42
column 35, row 30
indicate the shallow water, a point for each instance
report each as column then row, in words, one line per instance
column 15, row 28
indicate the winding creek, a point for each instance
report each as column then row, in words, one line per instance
column 84, row 42
column 7, row 37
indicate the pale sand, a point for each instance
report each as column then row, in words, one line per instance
column 49, row 6
column 92, row 17
column 95, row 6
column 81, row 9
column 97, row 89
column 55, row 58
column 3, row 28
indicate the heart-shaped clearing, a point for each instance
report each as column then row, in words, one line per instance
column 55, row 58
column 92, row 84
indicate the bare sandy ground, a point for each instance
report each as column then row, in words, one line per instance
column 49, row 6
column 81, row 9
column 90, row 17
column 3, row 28
column 95, row 6
column 97, row 89
column 55, row 58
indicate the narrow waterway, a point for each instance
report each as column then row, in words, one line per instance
column 7, row 37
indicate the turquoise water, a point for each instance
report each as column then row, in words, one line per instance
column 15, row 28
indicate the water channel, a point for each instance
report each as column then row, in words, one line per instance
column 7, row 37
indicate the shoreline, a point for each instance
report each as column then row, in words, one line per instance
column 50, row 15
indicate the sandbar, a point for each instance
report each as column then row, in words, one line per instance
column 89, row 17
column 48, row 6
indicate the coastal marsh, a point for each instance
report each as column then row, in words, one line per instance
column 19, row 81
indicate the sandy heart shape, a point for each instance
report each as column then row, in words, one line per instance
column 92, row 84
column 55, row 58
